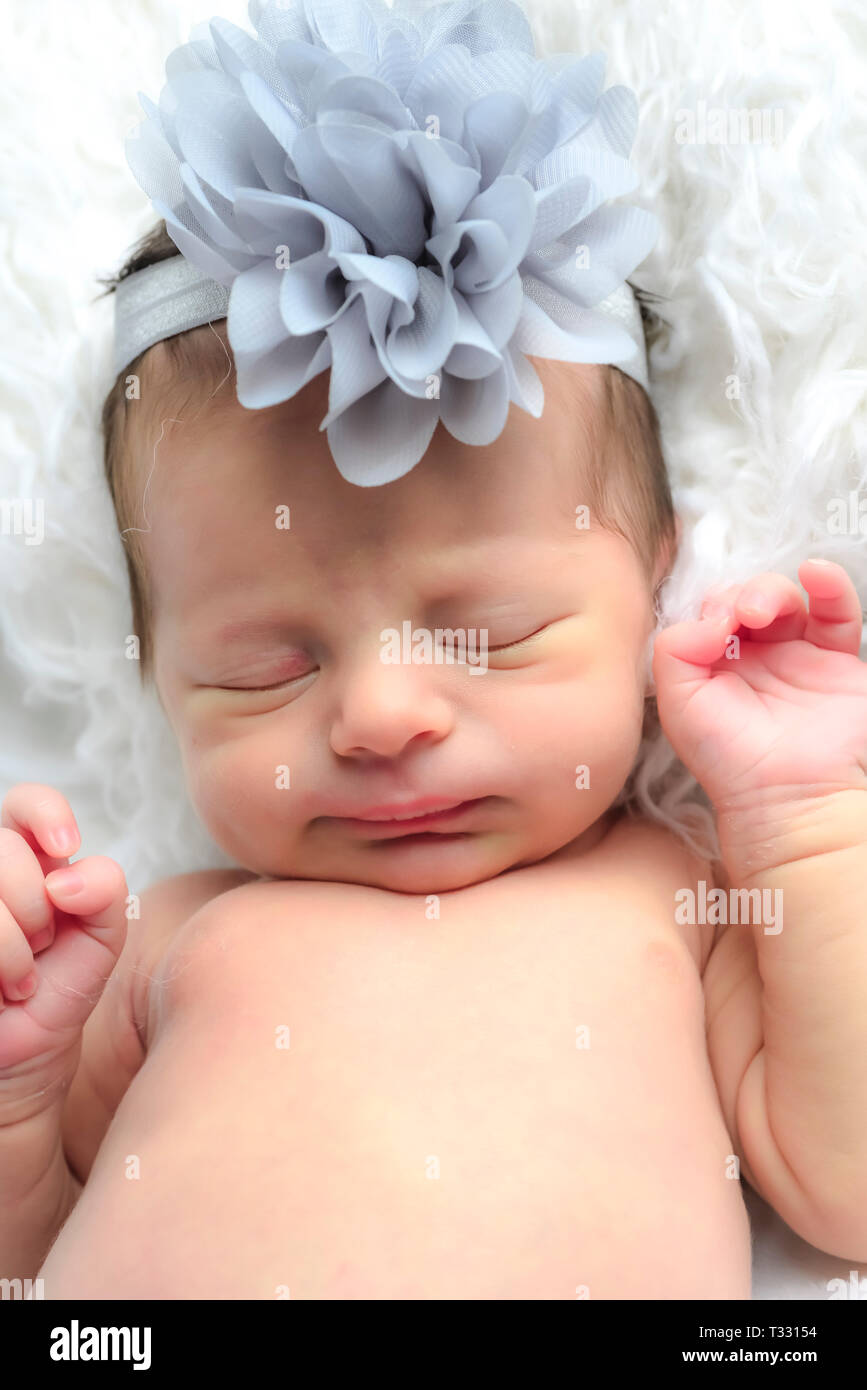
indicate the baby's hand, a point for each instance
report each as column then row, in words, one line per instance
column 76, row 930
column 777, row 717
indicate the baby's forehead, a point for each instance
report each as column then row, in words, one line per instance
column 219, row 467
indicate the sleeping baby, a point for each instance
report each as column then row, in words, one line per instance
column 460, row 1024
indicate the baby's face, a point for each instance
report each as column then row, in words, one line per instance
column 300, row 743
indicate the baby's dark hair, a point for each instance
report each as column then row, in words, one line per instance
column 168, row 376
column 626, row 486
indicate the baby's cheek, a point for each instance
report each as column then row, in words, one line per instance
column 239, row 792
column 602, row 723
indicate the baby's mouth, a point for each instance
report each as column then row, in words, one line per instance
column 407, row 821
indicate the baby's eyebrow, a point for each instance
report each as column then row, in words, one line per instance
column 470, row 592
column 250, row 629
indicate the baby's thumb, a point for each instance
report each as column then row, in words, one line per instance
column 682, row 658
column 92, row 889
column 92, row 893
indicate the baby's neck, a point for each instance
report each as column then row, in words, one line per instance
column 588, row 840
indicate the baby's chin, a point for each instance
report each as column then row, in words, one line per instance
column 418, row 864
column 424, row 864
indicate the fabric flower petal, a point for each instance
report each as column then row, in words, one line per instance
column 355, row 365
column 403, row 194
column 255, row 322
column 312, row 293
column 280, row 374
column 358, row 173
column 548, row 324
column 475, row 411
column 355, row 437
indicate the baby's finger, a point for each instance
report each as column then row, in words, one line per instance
column 42, row 815
column 91, row 898
column 720, row 600
column 683, row 656
column 93, row 890
column 774, row 606
column 22, row 884
column 16, row 959
column 835, row 616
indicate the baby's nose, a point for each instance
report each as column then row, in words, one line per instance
column 384, row 707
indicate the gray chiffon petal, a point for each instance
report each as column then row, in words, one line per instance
column 403, row 194
column 385, row 413
column 475, row 412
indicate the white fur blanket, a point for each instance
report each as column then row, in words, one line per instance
column 758, row 365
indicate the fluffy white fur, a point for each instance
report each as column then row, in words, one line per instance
column 762, row 274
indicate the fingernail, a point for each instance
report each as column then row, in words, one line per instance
column 67, row 882
column 754, row 602
column 24, row 988
column 63, row 840
column 41, row 939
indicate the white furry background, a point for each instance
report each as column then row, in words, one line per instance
column 758, row 370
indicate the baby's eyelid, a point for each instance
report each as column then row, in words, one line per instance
column 291, row 680
column 507, row 646
column 275, row 685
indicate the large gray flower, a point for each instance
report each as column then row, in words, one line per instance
column 406, row 196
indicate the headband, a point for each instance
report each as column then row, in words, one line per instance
column 406, row 196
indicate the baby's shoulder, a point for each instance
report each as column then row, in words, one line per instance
column 168, row 904
column 171, row 901
column 179, row 912
column 650, row 842
column 631, row 849
column 651, row 863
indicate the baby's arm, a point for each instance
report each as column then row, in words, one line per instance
column 765, row 701
column 58, row 946
column 69, row 1050
column 787, row 1026
column 114, row 1040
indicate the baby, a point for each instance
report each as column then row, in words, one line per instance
column 456, row 1027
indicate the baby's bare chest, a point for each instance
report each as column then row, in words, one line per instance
column 447, row 1038
column 498, row 1093
column 521, row 972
